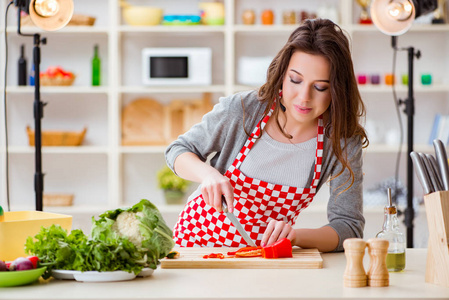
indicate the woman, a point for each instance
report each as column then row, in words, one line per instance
column 275, row 148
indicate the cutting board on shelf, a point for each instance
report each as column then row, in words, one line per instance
column 192, row 258
column 143, row 123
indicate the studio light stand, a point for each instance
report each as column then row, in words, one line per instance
column 48, row 15
column 38, row 112
column 409, row 103
column 395, row 17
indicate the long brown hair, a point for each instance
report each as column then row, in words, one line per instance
column 325, row 38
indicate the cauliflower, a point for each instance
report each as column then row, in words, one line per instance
column 127, row 225
column 142, row 225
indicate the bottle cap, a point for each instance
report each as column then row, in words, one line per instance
column 390, row 208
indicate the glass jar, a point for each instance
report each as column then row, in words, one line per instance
column 390, row 231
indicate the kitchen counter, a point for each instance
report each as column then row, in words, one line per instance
column 325, row 283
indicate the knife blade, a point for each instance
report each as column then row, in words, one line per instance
column 237, row 224
column 420, row 172
column 442, row 162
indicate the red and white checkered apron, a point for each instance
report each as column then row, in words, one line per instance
column 256, row 202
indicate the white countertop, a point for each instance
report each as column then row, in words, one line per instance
column 325, row 283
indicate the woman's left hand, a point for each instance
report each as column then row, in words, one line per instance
column 277, row 230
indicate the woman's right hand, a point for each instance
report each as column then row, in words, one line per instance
column 213, row 184
column 213, row 187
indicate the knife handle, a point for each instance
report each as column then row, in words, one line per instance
column 420, row 172
column 442, row 162
column 428, row 173
column 224, row 205
column 436, row 173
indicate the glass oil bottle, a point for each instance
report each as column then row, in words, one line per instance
column 390, row 232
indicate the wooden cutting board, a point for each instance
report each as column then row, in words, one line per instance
column 143, row 123
column 192, row 258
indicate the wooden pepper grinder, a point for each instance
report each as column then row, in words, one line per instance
column 378, row 273
column 355, row 275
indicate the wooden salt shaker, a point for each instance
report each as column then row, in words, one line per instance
column 355, row 275
column 378, row 273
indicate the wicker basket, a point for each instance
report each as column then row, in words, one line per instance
column 58, row 138
column 81, row 20
column 56, row 81
column 58, row 199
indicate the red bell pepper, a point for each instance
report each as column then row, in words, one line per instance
column 214, row 255
column 249, row 252
column 282, row 248
column 34, row 260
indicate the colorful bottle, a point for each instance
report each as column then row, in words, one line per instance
column 2, row 215
column 96, row 68
column 22, row 67
column 32, row 75
column 390, row 232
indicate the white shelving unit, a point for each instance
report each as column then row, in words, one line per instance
column 103, row 174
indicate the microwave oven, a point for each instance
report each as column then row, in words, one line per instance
column 176, row 66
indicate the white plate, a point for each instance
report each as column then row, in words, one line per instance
column 145, row 272
column 99, row 276
column 95, row 276
column 64, row 274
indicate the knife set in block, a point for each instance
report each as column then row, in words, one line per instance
column 437, row 211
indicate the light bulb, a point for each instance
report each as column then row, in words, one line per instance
column 400, row 10
column 46, row 8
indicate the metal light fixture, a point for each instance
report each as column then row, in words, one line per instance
column 48, row 15
column 51, row 15
column 395, row 17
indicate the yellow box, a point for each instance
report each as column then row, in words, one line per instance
column 18, row 225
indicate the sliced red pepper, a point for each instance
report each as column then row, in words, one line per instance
column 34, row 260
column 249, row 252
column 282, row 248
column 214, row 255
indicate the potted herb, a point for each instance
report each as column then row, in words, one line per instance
column 174, row 187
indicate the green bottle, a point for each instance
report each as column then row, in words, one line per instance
column 2, row 215
column 96, row 68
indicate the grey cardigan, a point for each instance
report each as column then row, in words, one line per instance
column 221, row 132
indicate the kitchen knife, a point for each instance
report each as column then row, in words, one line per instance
column 442, row 162
column 237, row 224
column 429, row 172
column 435, row 172
column 421, row 172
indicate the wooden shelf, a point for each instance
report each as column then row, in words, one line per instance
column 172, row 89
column 171, row 29
column 83, row 30
column 58, row 90
column 387, row 148
column 60, row 150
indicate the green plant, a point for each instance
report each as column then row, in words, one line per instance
column 170, row 181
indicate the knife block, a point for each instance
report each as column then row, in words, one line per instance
column 437, row 211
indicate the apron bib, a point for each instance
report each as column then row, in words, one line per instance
column 256, row 202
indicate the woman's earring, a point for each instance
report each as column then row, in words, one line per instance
column 280, row 93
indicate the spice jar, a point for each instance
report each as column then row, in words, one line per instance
column 267, row 17
column 248, row 17
column 289, row 17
